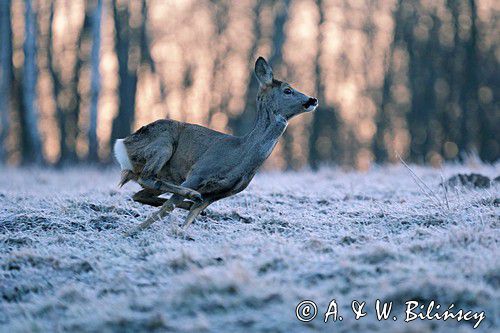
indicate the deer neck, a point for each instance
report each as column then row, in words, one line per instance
column 268, row 128
column 267, row 124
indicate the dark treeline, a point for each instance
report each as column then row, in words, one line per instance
column 435, row 99
column 453, row 85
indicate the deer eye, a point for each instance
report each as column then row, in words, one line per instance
column 287, row 91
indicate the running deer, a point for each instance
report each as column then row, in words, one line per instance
column 200, row 166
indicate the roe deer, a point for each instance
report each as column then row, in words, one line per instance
column 199, row 165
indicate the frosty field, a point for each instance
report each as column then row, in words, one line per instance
column 66, row 266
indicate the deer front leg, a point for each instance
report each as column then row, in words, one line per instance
column 196, row 209
column 164, row 186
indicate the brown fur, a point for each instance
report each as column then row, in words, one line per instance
column 203, row 165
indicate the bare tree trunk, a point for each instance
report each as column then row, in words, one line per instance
column 417, row 117
column 67, row 108
column 127, row 71
column 73, row 109
column 95, row 81
column 32, row 151
column 315, row 131
column 383, row 118
column 324, row 122
column 146, row 57
column 488, row 118
column 243, row 123
column 469, row 97
column 452, row 69
column 221, row 17
column 56, row 89
column 5, row 74
column 276, row 60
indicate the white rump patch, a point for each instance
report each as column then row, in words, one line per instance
column 122, row 155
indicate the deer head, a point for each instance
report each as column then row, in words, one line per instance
column 279, row 97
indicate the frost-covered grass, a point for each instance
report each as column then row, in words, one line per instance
column 66, row 266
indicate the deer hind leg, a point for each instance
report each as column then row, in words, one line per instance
column 165, row 209
column 164, row 186
column 195, row 210
column 150, row 197
column 126, row 176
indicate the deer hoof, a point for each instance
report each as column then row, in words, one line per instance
column 195, row 196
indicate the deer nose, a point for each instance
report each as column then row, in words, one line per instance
column 311, row 102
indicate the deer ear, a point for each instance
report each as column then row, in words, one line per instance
column 263, row 72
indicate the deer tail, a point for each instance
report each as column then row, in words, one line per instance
column 121, row 155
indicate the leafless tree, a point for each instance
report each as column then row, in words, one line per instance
column 127, row 42
column 5, row 74
column 324, row 122
column 244, row 121
column 95, row 81
column 32, row 152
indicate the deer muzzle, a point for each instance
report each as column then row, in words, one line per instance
column 311, row 104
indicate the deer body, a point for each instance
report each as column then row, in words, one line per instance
column 199, row 165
